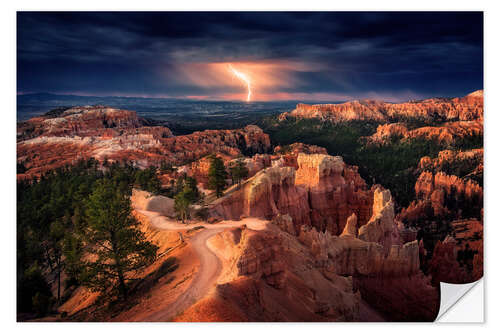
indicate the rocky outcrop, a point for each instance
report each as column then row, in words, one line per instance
column 459, row 257
column 380, row 227
column 117, row 135
column 369, row 252
column 287, row 155
column 354, row 110
column 142, row 200
column 315, row 194
column 331, row 198
column 443, row 202
column 268, row 276
column 444, row 133
column 437, row 186
column 199, row 168
column 81, row 121
column 270, row 192
column 372, row 249
column 469, row 107
column 299, row 147
column 468, row 164
column 444, row 196
column 351, row 227
column 382, row 268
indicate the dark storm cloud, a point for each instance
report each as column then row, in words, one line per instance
column 354, row 54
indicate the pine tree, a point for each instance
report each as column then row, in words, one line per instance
column 188, row 195
column 55, row 244
column 217, row 175
column 73, row 252
column 181, row 205
column 113, row 238
column 238, row 171
column 191, row 189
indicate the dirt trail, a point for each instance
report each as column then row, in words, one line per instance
column 210, row 265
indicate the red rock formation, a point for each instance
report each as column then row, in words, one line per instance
column 81, row 121
column 384, row 268
column 469, row 107
column 316, row 194
column 268, row 276
column 442, row 202
column 354, row 110
column 428, row 183
column 331, row 198
column 461, row 160
column 435, row 191
column 270, row 192
column 144, row 146
column 287, row 155
column 284, row 273
column 459, row 258
column 445, row 133
column 444, row 266
column 256, row 163
column 299, row 147
column 199, row 169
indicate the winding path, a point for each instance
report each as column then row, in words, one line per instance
column 210, row 265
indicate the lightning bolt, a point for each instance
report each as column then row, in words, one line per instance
column 244, row 78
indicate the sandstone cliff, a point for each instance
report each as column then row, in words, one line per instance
column 464, row 164
column 267, row 276
column 448, row 211
column 469, row 107
column 444, row 133
column 322, row 192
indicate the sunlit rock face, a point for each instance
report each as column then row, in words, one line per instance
column 448, row 211
column 332, row 198
column 445, row 133
column 199, row 168
column 465, row 108
column 81, row 121
column 322, row 192
column 450, row 157
column 268, row 275
column 48, row 142
column 322, row 274
column 436, row 193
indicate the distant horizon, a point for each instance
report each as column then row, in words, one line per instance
column 256, row 56
column 185, row 98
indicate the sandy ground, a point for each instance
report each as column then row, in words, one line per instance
column 162, row 222
column 210, row 264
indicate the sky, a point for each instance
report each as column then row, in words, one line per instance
column 309, row 56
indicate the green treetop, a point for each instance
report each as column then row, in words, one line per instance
column 112, row 236
column 217, row 175
column 238, row 171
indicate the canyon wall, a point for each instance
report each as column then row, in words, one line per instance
column 322, row 192
column 465, row 108
column 443, row 133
